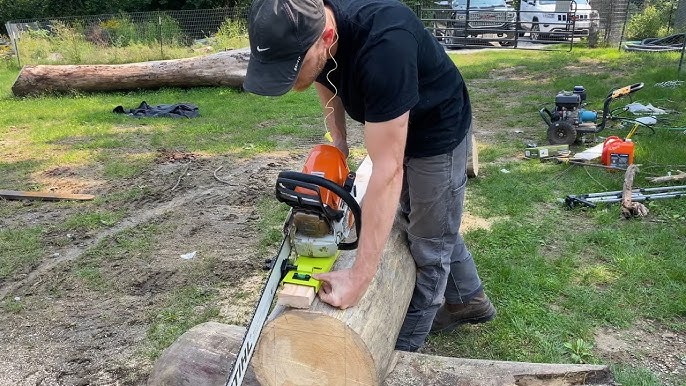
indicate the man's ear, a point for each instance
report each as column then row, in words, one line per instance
column 328, row 36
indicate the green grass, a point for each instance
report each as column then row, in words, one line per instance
column 20, row 250
column 555, row 275
column 186, row 308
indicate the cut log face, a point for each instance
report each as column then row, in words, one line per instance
column 227, row 68
column 314, row 349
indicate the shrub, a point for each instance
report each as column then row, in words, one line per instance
column 652, row 22
column 232, row 34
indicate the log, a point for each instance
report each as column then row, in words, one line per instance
column 328, row 346
column 225, row 68
column 204, row 354
column 674, row 177
column 422, row 369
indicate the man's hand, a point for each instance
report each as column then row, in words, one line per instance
column 342, row 288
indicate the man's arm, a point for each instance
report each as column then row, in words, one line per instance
column 334, row 121
column 385, row 143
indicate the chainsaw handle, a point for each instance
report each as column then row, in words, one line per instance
column 310, row 181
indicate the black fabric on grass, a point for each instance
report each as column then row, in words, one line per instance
column 179, row 110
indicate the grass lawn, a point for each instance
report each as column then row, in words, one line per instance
column 563, row 281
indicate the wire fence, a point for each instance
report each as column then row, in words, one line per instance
column 524, row 23
column 646, row 25
column 107, row 38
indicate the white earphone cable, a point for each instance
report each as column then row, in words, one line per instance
column 327, row 106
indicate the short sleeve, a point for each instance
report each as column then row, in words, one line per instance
column 388, row 75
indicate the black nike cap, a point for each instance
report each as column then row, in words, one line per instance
column 280, row 32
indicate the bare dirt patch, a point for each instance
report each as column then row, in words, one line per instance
column 79, row 317
column 646, row 344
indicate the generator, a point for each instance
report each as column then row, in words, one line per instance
column 569, row 120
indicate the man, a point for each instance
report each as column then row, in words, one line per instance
column 375, row 60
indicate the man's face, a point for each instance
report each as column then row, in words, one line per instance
column 313, row 64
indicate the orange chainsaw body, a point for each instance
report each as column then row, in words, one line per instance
column 328, row 162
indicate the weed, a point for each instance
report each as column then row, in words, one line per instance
column 579, row 350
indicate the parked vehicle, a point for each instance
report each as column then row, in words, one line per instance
column 557, row 19
column 475, row 21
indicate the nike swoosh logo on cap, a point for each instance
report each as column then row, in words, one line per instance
column 262, row 49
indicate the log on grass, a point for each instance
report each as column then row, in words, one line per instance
column 328, row 346
column 202, row 356
column 225, row 68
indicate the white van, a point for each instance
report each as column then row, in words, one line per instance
column 557, row 19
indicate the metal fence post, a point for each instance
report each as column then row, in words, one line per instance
column 159, row 24
column 14, row 36
column 626, row 21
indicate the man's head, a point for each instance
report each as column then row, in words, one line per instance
column 288, row 42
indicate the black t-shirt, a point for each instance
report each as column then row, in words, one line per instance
column 388, row 63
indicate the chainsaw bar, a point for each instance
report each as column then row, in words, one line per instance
column 240, row 366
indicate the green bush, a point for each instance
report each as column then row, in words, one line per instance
column 652, row 22
column 232, row 34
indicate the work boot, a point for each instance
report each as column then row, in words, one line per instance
column 450, row 316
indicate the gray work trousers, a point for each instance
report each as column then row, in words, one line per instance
column 430, row 212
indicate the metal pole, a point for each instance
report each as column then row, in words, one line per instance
column 12, row 32
column 159, row 23
column 681, row 59
column 626, row 20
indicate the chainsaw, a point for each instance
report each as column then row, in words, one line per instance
column 323, row 212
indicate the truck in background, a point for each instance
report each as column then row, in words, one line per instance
column 557, row 19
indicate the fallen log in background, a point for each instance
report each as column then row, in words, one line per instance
column 225, row 68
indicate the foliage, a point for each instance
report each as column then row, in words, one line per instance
column 39, row 9
column 122, row 31
column 232, row 34
column 580, row 350
column 650, row 22
column 108, row 41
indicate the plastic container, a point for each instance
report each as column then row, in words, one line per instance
column 617, row 153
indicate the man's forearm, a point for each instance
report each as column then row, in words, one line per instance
column 379, row 207
column 385, row 144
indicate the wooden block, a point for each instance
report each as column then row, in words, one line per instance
column 296, row 296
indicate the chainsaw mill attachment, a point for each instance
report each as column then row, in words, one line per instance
column 322, row 215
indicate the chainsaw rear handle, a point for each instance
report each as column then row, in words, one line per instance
column 288, row 181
